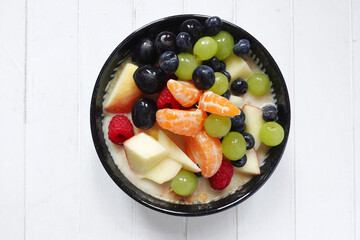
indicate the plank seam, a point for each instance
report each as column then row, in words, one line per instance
column 79, row 119
column 352, row 84
column 25, row 115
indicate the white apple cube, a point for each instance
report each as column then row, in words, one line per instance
column 254, row 122
column 237, row 101
column 164, row 171
column 143, row 152
column 252, row 164
column 237, row 67
column 176, row 153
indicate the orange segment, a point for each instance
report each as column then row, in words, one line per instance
column 183, row 122
column 189, row 153
column 184, row 92
column 207, row 152
column 213, row 103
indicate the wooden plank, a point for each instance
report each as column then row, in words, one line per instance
column 165, row 226
column 222, row 225
column 12, row 127
column 105, row 210
column 356, row 108
column 275, row 198
column 324, row 164
column 52, row 120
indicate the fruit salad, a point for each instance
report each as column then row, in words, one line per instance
column 189, row 116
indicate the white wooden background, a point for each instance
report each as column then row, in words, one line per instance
column 52, row 185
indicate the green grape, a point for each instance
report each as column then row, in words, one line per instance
column 187, row 65
column 225, row 44
column 217, row 126
column 221, row 84
column 184, row 183
column 233, row 146
column 271, row 134
column 205, row 48
column 259, row 84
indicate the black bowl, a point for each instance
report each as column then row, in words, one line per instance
column 96, row 114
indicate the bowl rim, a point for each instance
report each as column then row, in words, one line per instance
column 124, row 188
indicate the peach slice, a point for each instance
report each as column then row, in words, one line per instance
column 124, row 93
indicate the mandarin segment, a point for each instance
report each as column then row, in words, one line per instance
column 213, row 103
column 182, row 122
column 184, row 92
column 207, row 152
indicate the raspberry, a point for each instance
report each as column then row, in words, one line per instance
column 167, row 100
column 223, row 176
column 120, row 129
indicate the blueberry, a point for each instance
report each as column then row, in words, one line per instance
column 212, row 25
column 227, row 94
column 149, row 79
column 194, row 28
column 238, row 122
column 168, row 62
column 270, row 113
column 144, row 52
column 242, row 47
column 198, row 174
column 165, row 41
column 240, row 163
column 222, row 66
column 183, row 42
column 203, row 77
column 250, row 141
column 143, row 113
column 238, row 87
column 214, row 63
column 227, row 74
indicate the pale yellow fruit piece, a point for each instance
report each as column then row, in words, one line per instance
column 164, row 171
column 176, row 153
column 237, row 67
column 254, row 122
column 143, row 152
column 252, row 164
column 124, row 93
column 237, row 101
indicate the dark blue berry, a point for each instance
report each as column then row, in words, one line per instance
column 227, row 74
column 240, row 163
column 183, row 42
column 214, row 63
column 222, row 66
column 270, row 113
column 198, row 174
column 143, row 113
column 165, row 41
column 250, row 141
column 149, row 79
column 203, row 77
column 238, row 87
column 168, row 62
column 144, row 52
column 212, row 25
column 194, row 28
column 238, row 122
column 227, row 94
column 242, row 47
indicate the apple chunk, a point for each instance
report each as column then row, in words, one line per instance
column 176, row 153
column 254, row 122
column 237, row 67
column 124, row 92
column 143, row 152
column 164, row 171
column 252, row 164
